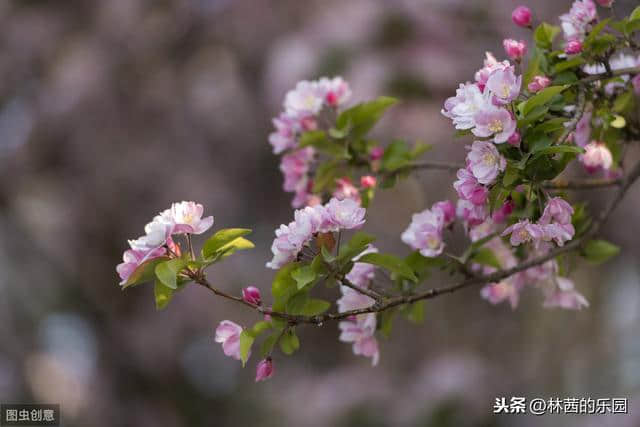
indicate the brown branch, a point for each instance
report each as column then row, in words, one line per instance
column 432, row 165
column 582, row 185
column 613, row 73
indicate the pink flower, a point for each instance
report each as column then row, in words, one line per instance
column 500, row 215
column 251, row 294
column 446, row 209
column 582, row 134
column 361, row 273
column 368, row 181
column 556, row 210
column 462, row 108
column 346, row 190
column 575, row 24
column 506, row 290
column 133, row 258
column 504, row 86
column 538, row 83
column 565, row 296
column 515, row 50
column 295, row 167
column 228, row 333
column 521, row 16
column 573, row 47
column 471, row 213
column 360, row 329
column 523, row 231
column 264, row 369
column 425, row 233
column 313, row 219
column 514, row 139
column 636, row 84
column 484, row 162
column 306, row 99
column 490, row 65
column 376, row 153
column 336, row 91
column 284, row 137
column 187, row 218
column 496, row 122
column 560, row 233
column 596, row 156
column 468, row 188
column 345, row 214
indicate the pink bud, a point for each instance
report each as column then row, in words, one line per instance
column 636, row 84
column 376, row 153
column 514, row 139
column 368, row 181
column 264, row 370
column 309, row 123
column 501, row 214
column 251, row 294
column 605, row 3
column 538, row 83
column 521, row 16
column 573, row 47
column 514, row 49
column 332, row 99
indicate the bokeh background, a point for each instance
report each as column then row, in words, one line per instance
column 111, row 110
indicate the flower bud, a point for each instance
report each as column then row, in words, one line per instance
column 368, row 181
column 636, row 84
column 500, row 215
column 514, row 49
column 596, row 157
column 376, row 153
column 538, row 83
column 521, row 16
column 514, row 139
column 251, row 294
column 573, row 47
column 264, row 370
column 605, row 3
column 309, row 123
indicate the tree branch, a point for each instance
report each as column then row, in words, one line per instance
column 582, row 185
column 613, row 73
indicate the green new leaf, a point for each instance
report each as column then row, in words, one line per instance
column 268, row 343
column 303, row 275
column 391, row 263
column 539, row 99
column 319, row 140
column 635, row 14
column 163, row 295
column 599, row 251
column 246, row 341
column 289, row 342
column 222, row 238
column 260, row 327
column 511, row 175
column 545, row 34
column 145, row 272
column 314, row 307
column 358, row 243
column 297, row 303
column 167, row 272
column 362, row 117
column 284, row 286
column 559, row 149
column 571, row 63
column 485, row 256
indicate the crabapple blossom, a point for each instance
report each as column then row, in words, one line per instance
column 514, row 49
column 284, row 137
column 336, row 91
column 468, row 188
column 132, row 259
column 368, row 181
column 306, row 99
column 523, row 231
column 376, row 153
column 514, row 139
column 463, row 107
column 295, row 167
column 538, row 83
column 345, row 214
column 557, row 210
column 425, row 233
column 504, row 85
column 500, row 215
column 264, row 369
column 187, row 218
column 575, row 23
column 560, row 233
column 582, row 134
column 563, row 295
column 573, row 47
column 471, row 213
column 506, row 290
column 491, row 64
column 228, row 334
column 596, row 156
column 447, row 210
column 362, row 273
column 359, row 329
column 521, row 16
column 484, row 162
column 496, row 122
column 251, row 294
column 346, row 190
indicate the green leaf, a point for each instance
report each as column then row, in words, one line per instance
column 303, row 275
column 422, row 265
column 167, row 272
column 623, row 102
column 268, row 343
column 635, row 14
column 396, row 156
column 545, row 34
column 319, row 140
column 222, row 238
column 362, row 117
column 246, row 341
column 511, row 175
column 314, row 307
column 260, row 327
column 326, row 175
column 485, row 256
column 289, row 342
column 297, row 303
column 571, row 63
column 326, row 255
column 540, row 98
column 145, row 272
column 284, row 286
column 416, row 312
column 599, row 251
column 559, row 149
column 391, row 263
column 358, row 243
column 163, row 295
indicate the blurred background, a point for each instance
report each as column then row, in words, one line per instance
column 111, row 110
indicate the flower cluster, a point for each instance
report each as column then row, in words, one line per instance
column 180, row 218
column 336, row 215
column 228, row 334
column 303, row 107
column 359, row 329
column 425, row 230
column 553, row 225
column 576, row 23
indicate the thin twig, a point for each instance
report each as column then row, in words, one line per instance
column 582, row 185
